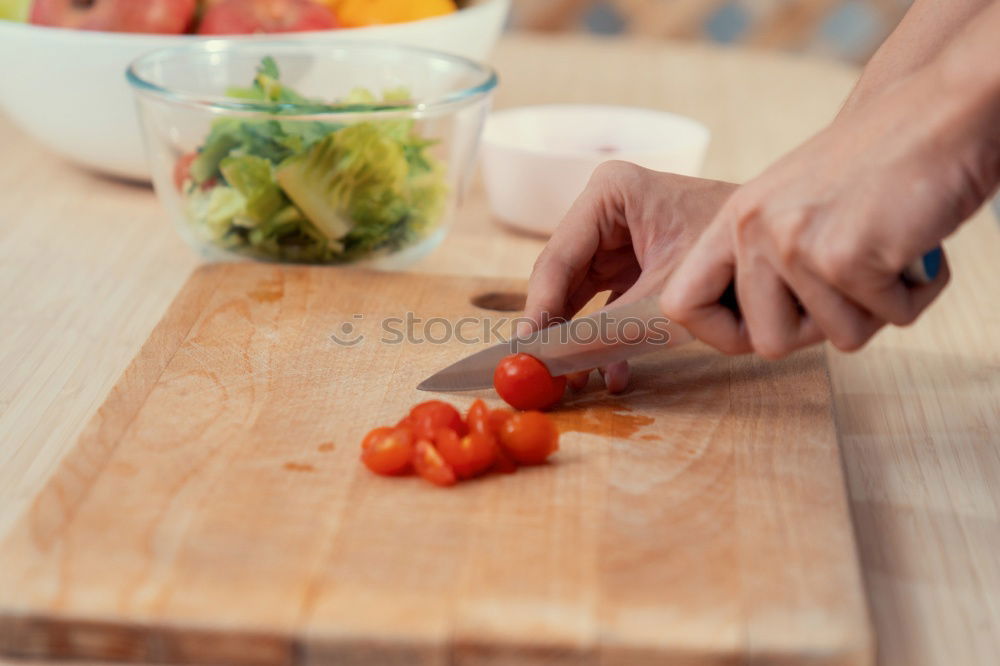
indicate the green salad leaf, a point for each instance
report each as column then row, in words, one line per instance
column 314, row 190
column 253, row 177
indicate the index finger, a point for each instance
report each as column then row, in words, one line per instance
column 692, row 294
column 563, row 263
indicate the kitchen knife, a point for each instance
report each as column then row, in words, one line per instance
column 615, row 334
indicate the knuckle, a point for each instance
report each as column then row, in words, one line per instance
column 743, row 228
column 747, row 218
column 906, row 315
column 772, row 343
column 615, row 171
column 673, row 304
column 772, row 350
column 540, row 261
column 850, row 338
column 837, row 265
column 789, row 244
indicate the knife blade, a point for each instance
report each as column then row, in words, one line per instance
column 614, row 334
column 564, row 349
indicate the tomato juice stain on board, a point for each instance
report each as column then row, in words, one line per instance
column 299, row 467
column 325, row 446
column 601, row 417
column 267, row 291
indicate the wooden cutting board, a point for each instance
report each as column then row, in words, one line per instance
column 215, row 512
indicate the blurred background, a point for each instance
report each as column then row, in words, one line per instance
column 848, row 30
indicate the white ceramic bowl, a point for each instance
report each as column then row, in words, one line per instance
column 537, row 159
column 67, row 88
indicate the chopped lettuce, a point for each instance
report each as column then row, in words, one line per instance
column 358, row 173
column 253, row 177
column 214, row 210
column 314, row 190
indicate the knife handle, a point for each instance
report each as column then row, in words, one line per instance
column 926, row 268
column 920, row 271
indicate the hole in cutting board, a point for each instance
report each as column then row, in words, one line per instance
column 501, row 301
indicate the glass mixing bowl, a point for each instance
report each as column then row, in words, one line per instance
column 311, row 152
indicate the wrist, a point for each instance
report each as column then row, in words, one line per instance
column 966, row 85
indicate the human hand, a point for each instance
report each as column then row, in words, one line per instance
column 627, row 232
column 816, row 244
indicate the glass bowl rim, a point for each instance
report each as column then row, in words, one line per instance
column 486, row 81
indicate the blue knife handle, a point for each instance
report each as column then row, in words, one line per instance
column 926, row 268
column 921, row 271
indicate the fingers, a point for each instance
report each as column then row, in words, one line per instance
column 552, row 279
column 561, row 266
column 591, row 222
column 577, row 381
column 616, row 376
column 691, row 296
column 792, row 291
column 773, row 320
column 881, row 291
column 847, row 325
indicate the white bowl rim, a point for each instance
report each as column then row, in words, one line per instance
column 460, row 97
column 700, row 130
column 124, row 37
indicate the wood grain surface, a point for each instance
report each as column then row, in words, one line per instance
column 89, row 265
column 214, row 510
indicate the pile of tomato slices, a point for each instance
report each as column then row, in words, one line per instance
column 437, row 443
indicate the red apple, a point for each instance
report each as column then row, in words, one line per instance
column 153, row 16
column 244, row 17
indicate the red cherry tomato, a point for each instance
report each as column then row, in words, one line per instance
column 427, row 417
column 182, row 169
column 525, row 383
column 504, row 464
column 529, row 437
column 497, row 418
column 373, row 436
column 431, row 466
column 478, row 417
column 387, row 450
column 469, row 456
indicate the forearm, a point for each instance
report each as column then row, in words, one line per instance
column 926, row 29
column 968, row 76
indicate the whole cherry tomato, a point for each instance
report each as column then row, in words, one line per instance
column 431, row 466
column 387, row 450
column 427, row 417
column 525, row 383
column 469, row 456
column 529, row 437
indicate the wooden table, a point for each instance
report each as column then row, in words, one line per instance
column 88, row 266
